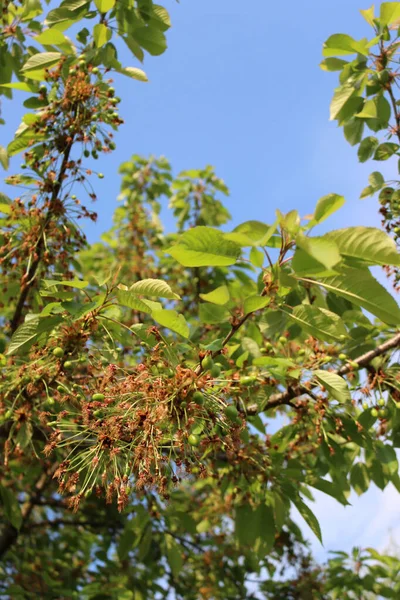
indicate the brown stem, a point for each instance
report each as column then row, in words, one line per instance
column 31, row 275
column 291, row 393
column 9, row 534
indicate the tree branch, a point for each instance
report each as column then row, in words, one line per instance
column 291, row 393
column 17, row 316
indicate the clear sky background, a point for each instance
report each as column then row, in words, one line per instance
column 240, row 88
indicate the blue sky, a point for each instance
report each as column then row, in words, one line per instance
column 240, row 88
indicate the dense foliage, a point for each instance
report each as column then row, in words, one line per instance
column 167, row 398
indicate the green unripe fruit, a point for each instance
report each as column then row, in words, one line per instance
column 86, row 153
column 194, row 439
column 82, row 63
column 68, row 365
column 382, row 412
column 381, row 402
column 50, row 401
column 342, row 356
column 231, row 412
column 98, row 397
column 169, row 373
column 207, row 362
column 301, row 352
column 374, row 413
column 95, row 70
column 98, row 413
column 58, row 352
column 215, row 371
column 100, row 175
column 247, row 380
column 61, row 389
column 42, row 89
column 282, row 339
column 365, row 405
column 111, row 91
column 8, row 414
column 198, row 398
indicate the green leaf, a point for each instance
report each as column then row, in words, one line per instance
column 321, row 249
column 308, row 516
column 104, row 5
column 75, row 283
column 327, row 487
column 172, row 320
column 319, row 322
column 334, row 384
column 134, row 73
column 376, row 181
column 29, row 331
column 174, row 555
column 341, row 96
column 366, row 243
column 4, row 158
column 378, row 108
column 19, row 85
column 213, row 314
column 252, row 233
column 12, row 510
column 101, row 34
column 342, row 44
column 326, row 206
column 154, row 287
column 126, row 298
column 359, row 478
column 204, row 246
column 367, row 148
column 218, row 296
column 256, row 257
column 385, row 151
column 306, row 266
column 333, row 64
column 390, row 12
column 151, row 39
column 246, row 525
column 359, row 287
column 41, row 61
column 368, row 15
column 386, row 455
column 353, row 130
column 51, row 37
column 253, row 303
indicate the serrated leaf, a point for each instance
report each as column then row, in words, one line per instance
column 41, row 61
column 218, row 296
column 204, row 246
column 359, row 478
column 341, row 96
column 29, row 331
column 172, row 320
column 333, row 64
column 151, row 39
column 326, row 206
column 308, row 516
column 367, row 148
column 4, row 158
column 319, row 322
column 154, row 287
column 101, row 34
column 246, row 525
column 256, row 257
column 252, row 233
column 341, row 44
column 76, row 283
column 322, row 249
column 174, row 555
column 359, row 287
column 366, row 243
column 50, row 37
column 334, row 384
column 385, row 151
column 213, row 314
column 389, row 12
column 253, row 303
column 134, row 73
